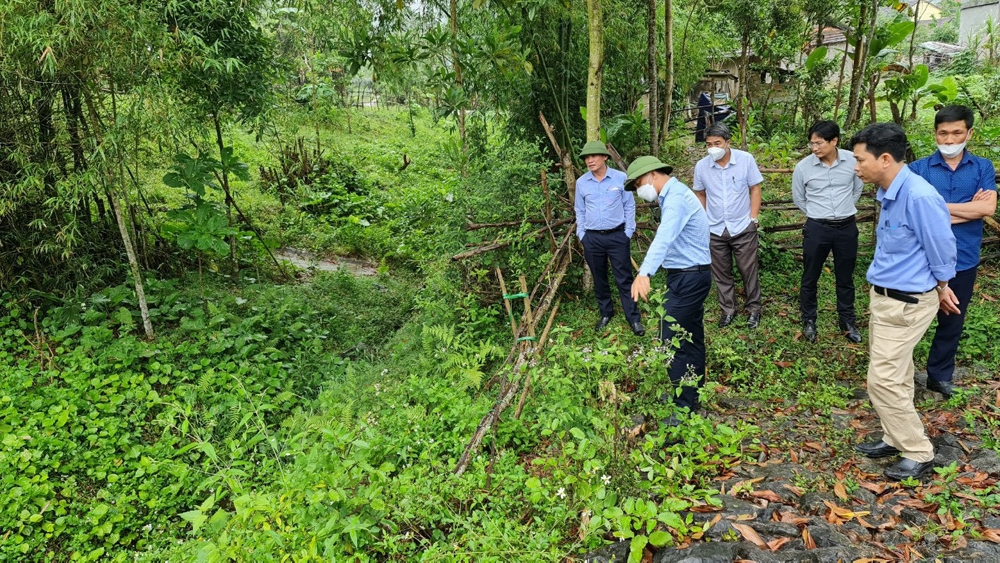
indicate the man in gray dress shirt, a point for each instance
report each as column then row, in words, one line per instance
column 825, row 188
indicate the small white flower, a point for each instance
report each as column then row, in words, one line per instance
column 561, row 493
column 606, row 479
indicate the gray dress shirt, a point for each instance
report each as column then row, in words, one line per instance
column 826, row 192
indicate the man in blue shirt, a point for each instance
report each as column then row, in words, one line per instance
column 681, row 247
column 605, row 222
column 968, row 185
column 727, row 182
column 914, row 259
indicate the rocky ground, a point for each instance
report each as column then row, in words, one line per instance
column 809, row 498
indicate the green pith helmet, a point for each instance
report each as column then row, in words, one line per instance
column 594, row 147
column 642, row 165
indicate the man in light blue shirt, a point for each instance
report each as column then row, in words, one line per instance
column 605, row 222
column 915, row 256
column 681, row 248
column 727, row 182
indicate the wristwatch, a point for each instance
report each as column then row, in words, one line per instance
column 941, row 288
column 755, row 220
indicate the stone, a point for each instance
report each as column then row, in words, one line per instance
column 865, row 496
column 946, row 439
column 946, row 455
column 713, row 552
column 812, row 502
column 988, row 461
column 991, row 522
column 920, row 377
column 913, row 517
column 780, row 529
column 826, row 535
column 614, row 553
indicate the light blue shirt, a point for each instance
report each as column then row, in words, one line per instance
column 603, row 205
column 727, row 190
column 682, row 239
column 915, row 247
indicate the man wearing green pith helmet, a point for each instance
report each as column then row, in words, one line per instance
column 681, row 247
column 605, row 221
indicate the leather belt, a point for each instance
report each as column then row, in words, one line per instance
column 904, row 296
column 702, row 268
column 836, row 222
column 607, row 231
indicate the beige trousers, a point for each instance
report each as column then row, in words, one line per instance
column 894, row 329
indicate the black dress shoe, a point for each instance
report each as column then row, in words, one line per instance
column 726, row 320
column 638, row 329
column 602, row 323
column 946, row 388
column 809, row 330
column 907, row 468
column 876, row 450
column 753, row 321
column 851, row 332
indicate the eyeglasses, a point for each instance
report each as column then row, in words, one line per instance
column 816, row 144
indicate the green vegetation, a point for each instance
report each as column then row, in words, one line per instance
column 171, row 389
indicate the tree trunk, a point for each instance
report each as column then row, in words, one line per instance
column 133, row 262
column 595, row 70
column 741, row 102
column 228, row 192
column 458, row 81
column 858, row 72
column 654, row 98
column 840, row 85
column 668, row 66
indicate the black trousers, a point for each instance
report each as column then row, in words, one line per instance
column 818, row 240
column 685, row 304
column 941, row 360
column 598, row 250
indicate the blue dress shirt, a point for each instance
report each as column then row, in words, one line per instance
column 915, row 248
column 603, row 205
column 727, row 190
column 682, row 239
column 958, row 186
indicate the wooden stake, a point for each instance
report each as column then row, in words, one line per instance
column 506, row 302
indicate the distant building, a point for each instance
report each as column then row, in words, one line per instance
column 973, row 17
column 935, row 53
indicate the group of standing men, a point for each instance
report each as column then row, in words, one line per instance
column 926, row 257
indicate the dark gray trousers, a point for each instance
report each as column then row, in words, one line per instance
column 742, row 247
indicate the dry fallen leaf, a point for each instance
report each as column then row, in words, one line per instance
column 794, row 456
column 841, row 492
column 797, row 491
column 876, row 488
column 775, row 544
column 750, row 535
column 808, row 539
column 991, row 534
column 766, row 495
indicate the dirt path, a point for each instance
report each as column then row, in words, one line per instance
column 309, row 261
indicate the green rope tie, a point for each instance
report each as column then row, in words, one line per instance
column 509, row 296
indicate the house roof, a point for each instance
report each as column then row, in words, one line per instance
column 946, row 49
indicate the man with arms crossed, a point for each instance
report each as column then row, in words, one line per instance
column 605, row 222
column 681, row 248
column 968, row 185
column 914, row 259
column 727, row 182
column 825, row 188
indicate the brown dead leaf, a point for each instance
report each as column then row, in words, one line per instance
column 865, row 523
column 808, row 539
column 703, row 508
column 777, row 543
column 988, row 297
column 978, row 478
column 789, row 517
column 814, row 446
column 872, row 560
column 797, row 491
column 794, row 456
column 766, row 495
column 783, row 364
column 991, row 534
column 918, row 504
column 745, row 517
column 750, row 535
column 584, row 524
column 876, row 488
column 841, row 492
column 959, row 543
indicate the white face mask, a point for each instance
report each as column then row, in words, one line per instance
column 949, row 151
column 647, row 192
column 716, row 153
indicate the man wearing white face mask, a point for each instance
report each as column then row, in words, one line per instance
column 681, row 248
column 968, row 185
column 727, row 182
